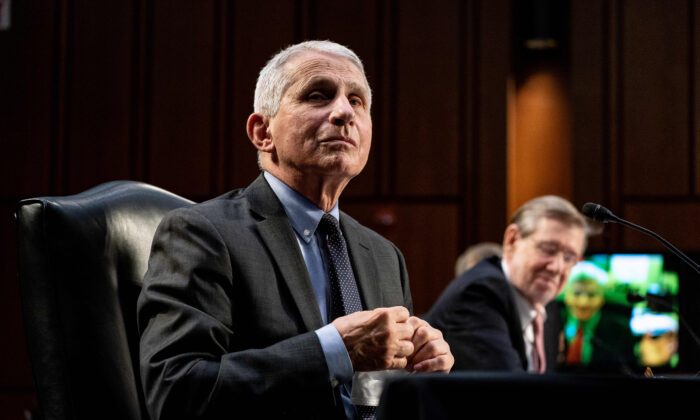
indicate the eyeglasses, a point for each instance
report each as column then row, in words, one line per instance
column 551, row 249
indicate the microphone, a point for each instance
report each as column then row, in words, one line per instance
column 598, row 213
column 601, row 214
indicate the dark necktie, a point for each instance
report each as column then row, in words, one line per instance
column 345, row 298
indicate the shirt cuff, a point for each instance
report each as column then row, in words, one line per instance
column 337, row 357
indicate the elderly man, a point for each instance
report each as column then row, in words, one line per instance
column 265, row 301
column 492, row 315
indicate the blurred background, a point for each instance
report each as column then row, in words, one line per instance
column 478, row 106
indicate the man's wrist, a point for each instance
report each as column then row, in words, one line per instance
column 340, row 368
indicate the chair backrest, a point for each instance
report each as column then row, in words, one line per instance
column 81, row 263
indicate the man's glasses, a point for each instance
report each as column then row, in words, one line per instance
column 551, row 249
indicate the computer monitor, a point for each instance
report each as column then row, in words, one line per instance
column 626, row 312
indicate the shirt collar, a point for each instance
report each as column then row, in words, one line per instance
column 302, row 213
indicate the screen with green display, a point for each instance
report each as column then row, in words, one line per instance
column 618, row 312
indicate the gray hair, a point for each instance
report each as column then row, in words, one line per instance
column 551, row 207
column 274, row 79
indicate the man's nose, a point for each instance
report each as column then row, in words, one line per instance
column 557, row 263
column 342, row 112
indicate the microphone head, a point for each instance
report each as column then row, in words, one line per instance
column 598, row 212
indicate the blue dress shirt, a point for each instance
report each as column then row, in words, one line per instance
column 304, row 217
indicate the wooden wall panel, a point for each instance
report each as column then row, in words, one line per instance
column 633, row 72
column 588, row 100
column 540, row 142
column 99, row 78
column 591, row 165
column 655, row 88
column 222, row 94
column 426, row 99
column 675, row 221
column 613, row 107
column 384, row 107
column 26, row 89
column 695, row 156
column 180, row 155
column 492, row 65
column 425, row 235
column 429, row 243
column 357, row 28
column 260, row 30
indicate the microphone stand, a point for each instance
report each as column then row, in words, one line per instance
column 601, row 214
column 666, row 243
column 679, row 254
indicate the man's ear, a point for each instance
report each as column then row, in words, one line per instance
column 257, row 129
column 510, row 237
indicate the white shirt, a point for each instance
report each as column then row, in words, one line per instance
column 527, row 314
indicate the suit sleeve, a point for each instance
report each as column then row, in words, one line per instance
column 190, row 364
column 475, row 323
column 408, row 301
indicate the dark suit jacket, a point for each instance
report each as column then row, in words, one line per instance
column 478, row 318
column 227, row 313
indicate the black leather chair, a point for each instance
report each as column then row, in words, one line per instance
column 81, row 262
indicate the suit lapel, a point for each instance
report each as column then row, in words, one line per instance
column 493, row 265
column 278, row 235
column 517, row 336
column 361, row 258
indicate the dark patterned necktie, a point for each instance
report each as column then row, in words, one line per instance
column 345, row 298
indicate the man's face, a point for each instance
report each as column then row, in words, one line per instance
column 323, row 126
column 584, row 298
column 539, row 264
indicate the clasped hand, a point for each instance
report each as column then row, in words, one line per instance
column 390, row 338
